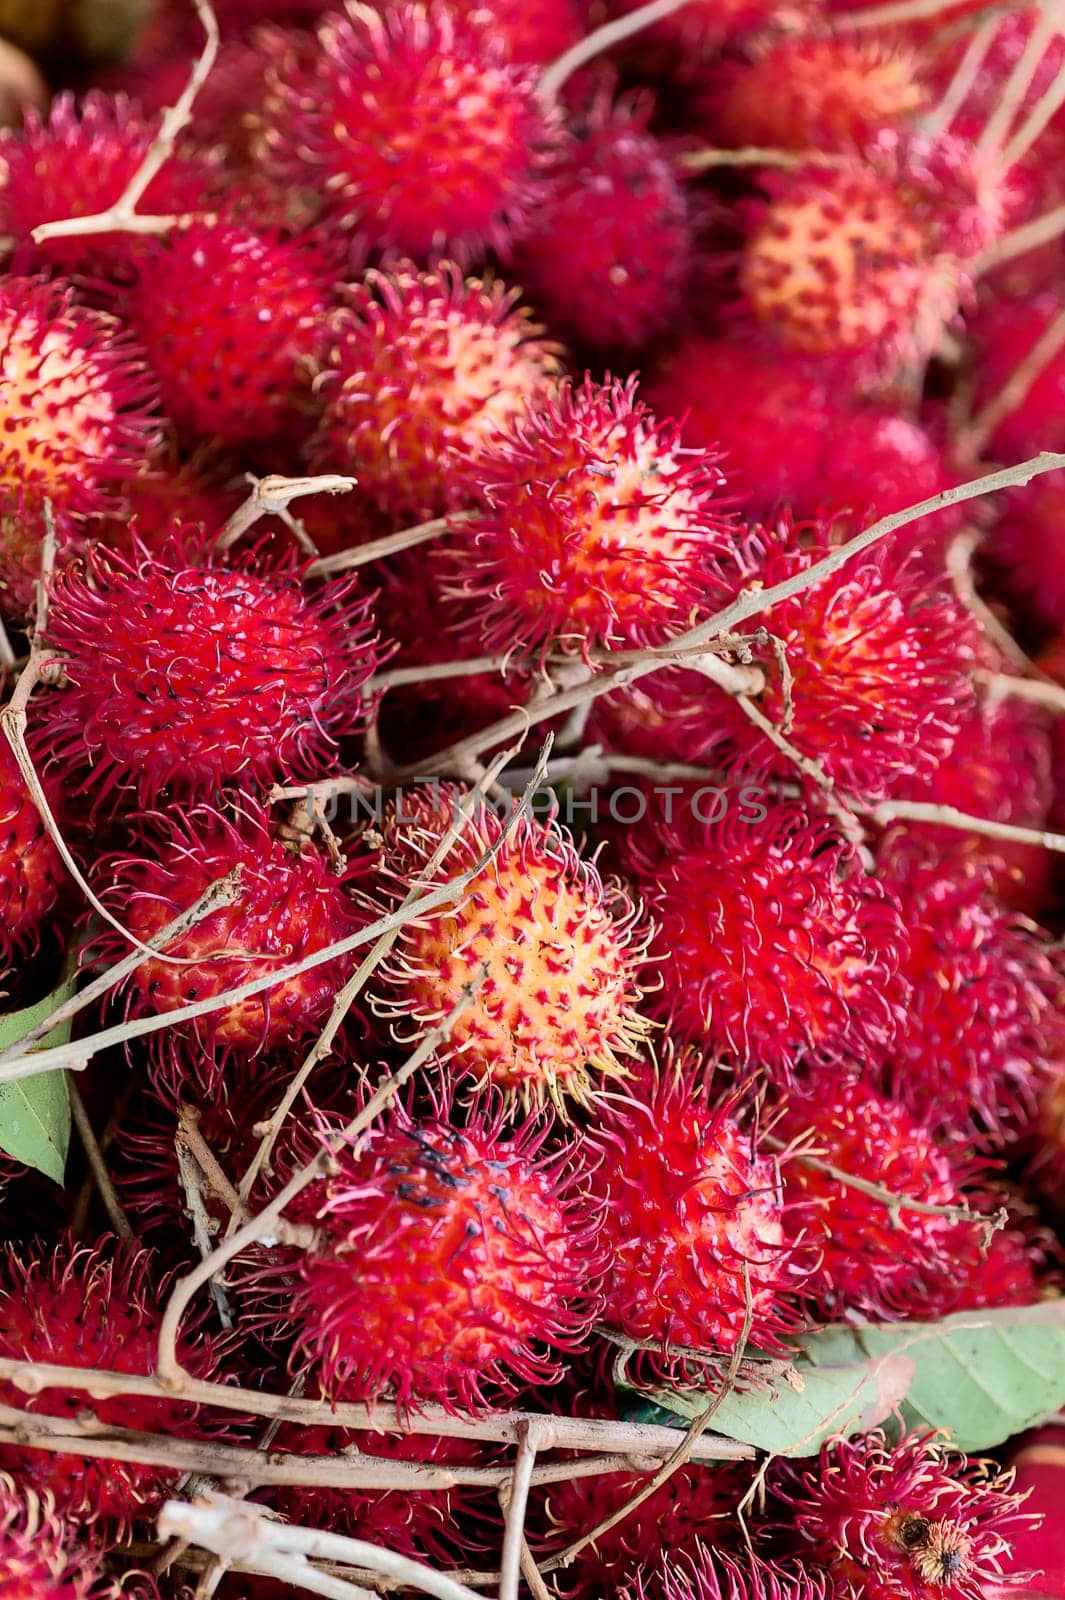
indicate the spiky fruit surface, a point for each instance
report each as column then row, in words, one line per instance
column 1024, row 550
column 706, row 1575
column 423, row 372
column 413, row 127
column 36, row 1558
column 608, row 258
column 874, row 649
column 557, row 1010
column 915, row 1522
column 873, row 1262
column 814, row 93
column 186, row 674
column 97, row 1308
column 770, row 938
column 30, row 868
column 74, row 420
column 526, row 33
column 232, row 320
column 594, row 526
column 453, row 1263
column 690, row 1209
column 290, row 904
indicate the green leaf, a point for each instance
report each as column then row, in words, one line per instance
column 35, row 1112
column 980, row 1375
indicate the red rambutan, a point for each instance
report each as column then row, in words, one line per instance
column 414, row 128
column 916, row 1521
column 771, row 941
column 184, row 674
column 693, row 1218
column 705, row 1574
column 595, row 527
column 1025, row 552
column 1004, row 334
column 291, row 904
column 557, row 1009
column 691, row 33
column 423, row 371
column 30, row 868
column 452, row 1263
column 607, row 258
column 97, row 1309
column 527, row 33
column 37, row 1561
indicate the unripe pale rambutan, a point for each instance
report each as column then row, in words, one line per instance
column 916, row 1521
column 595, row 527
column 873, row 1262
column 814, row 92
column 607, row 258
column 232, row 321
column 771, row 941
column 291, row 904
column 98, row 1309
column 185, row 674
column 413, row 127
column 705, row 1574
column 37, row 1559
column 452, row 1264
column 873, row 651
column 423, row 372
column 74, row 421
column 693, row 1216
column 30, row 869
column 76, row 163
column 557, row 1008
column 983, row 1021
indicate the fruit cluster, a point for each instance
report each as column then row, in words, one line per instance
column 454, row 378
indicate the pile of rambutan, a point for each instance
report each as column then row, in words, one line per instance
column 532, row 794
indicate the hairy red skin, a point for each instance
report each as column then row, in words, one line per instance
column 31, row 871
column 529, row 34
column 423, row 371
column 593, row 526
column 453, row 1263
column 1023, row 553
column 291, row 904
column 690, row 1206
column 608, row 258
column 412, row 126
column 185, row 673
column 1004, row 334
column 38, row 1559
column 95, row 1308
column 703, row 1574
column 771, row 941
column 917, row 1521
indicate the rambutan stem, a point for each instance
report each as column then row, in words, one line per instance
column 98, row 1166
column 1039, row 691
column 1021, row 240
column 514, row 1499
column 966, row 73
column 8, row 658
column 1016, row 387
column 959, row 566
column 272, row 496
column 600, row 40
column 748, row 156
column 888, row 811
column 1017, row 85
column 377, row 549
column 900, row 11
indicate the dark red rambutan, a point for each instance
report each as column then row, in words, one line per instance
column 98, row 1309
column 875, row 651
column 594, row 526
column 913, row 1521
column 38, row 1560
column 413, row 127
column 607, row 258
column 453, row 1263
column 874, row 1262
column 1017, row 1264
column 169, row 496
column 557, row 1010
column 75, row 419
column 30, row 869
column 184, row 674
column 76, row 162
column 1003, row 335
column 425, row 370
column 291, row 904
column 232, row 320
column 771, row 940
column 983, row 1021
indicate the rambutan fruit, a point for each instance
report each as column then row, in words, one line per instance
column 1023, row 553
column 706, row 1574
column 75, row 419
column 453, row 1263
column 413, row 127
column 875, row 1262
column 98, row 1309
column 770, row 940
column 557, row 1010
column 232, row 320
column 424, row 370
column 1003, row 335
column 76, row 162
column 874, row 650
column 594, row 526
column 983, row 1020
column 528, row 34
column 30, row 868
column 184, row 674
column 291, row 904
column 607, row 259
column 37, row 1558
column 913, row 1521
column 683, row 41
